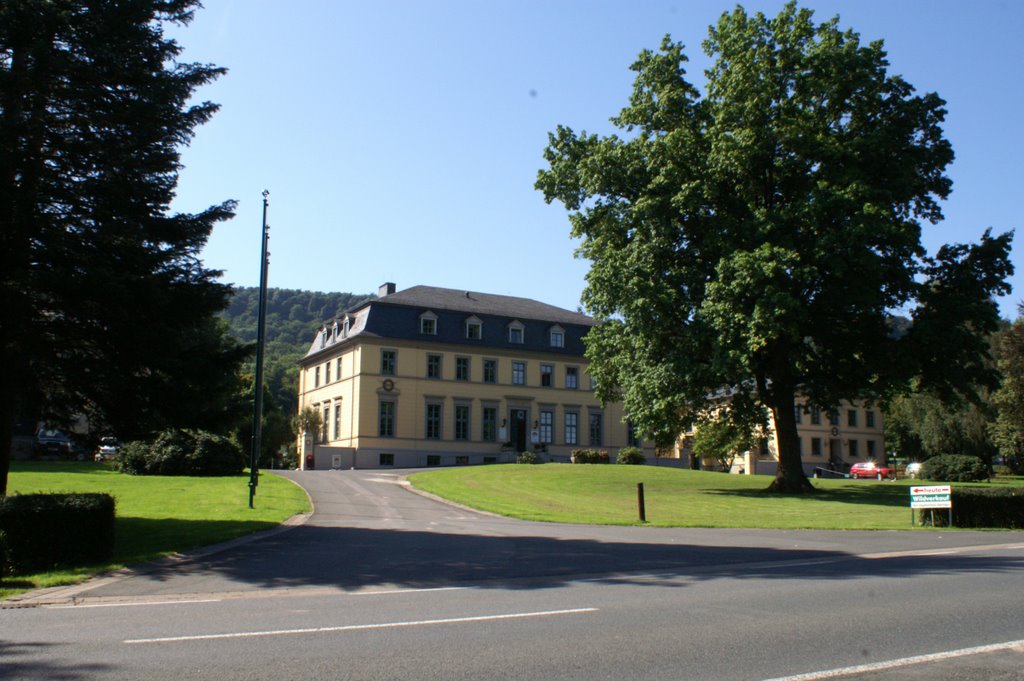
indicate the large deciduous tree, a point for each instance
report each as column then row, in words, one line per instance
column 105, row 307
column 755, row 237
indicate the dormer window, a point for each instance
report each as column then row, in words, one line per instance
column 346, row 327
column 334, row 331
column 428, row 324
column 515, row 332
column 474, row 328
column 556, row 336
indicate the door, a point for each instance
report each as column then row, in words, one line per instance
column 518, row 431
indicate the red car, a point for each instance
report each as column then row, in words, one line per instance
column 870, row 469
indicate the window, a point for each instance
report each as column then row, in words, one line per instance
column 474, row 329
column 763, row 450
column 595, row 430
column 316, row 377
column 387, row 459
column 546, row 371
column 798, row 414
column 869, row 419
column 387, row 362
column 571, row 427
column 326, row 424
column 515, row 332
column 386, row 419
column 547, row 422
column 490, row 424
column 854, row 449
column 428, row 324
column 462, row 368
column 490, row 371
column 433, row 422
column 327, row 372
column 572, row 378
column 815, row 446
column 346, row 328
column 337, row 420
column 557, row 337
column 833, row 417
column 815, row 416
column 433, row 366
column 337, row 369
column 851, row 418
column 871, row 448
column 461, row 421
column 632, row 438
column 462, row 460
column 433, row 459
column 518, row 373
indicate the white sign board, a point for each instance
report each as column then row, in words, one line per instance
column 932, row 496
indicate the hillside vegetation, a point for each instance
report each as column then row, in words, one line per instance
column 292, row 318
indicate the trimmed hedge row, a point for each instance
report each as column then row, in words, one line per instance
column 983, row 507
column 589, row 456
column 42, row 531
column 955, row 468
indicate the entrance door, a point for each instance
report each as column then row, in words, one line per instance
column 835, row 453
column 518, row 431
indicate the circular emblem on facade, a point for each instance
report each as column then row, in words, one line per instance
column 389, row 385
column 835, row 431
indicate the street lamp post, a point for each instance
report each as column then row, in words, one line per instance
column 261, row 332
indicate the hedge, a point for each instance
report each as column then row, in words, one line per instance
column 983, row 507
column 42, row 531
column 954, row 468
column 182, row 452
column 631, row 456
column 590, row 456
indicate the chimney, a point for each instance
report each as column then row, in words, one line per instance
column 385, row 289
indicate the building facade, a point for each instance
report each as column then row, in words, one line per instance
column 433, row 377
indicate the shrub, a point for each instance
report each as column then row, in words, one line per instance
column 954, row 468
column 43, row 531
column 589, row 456
column 182, row 452
column 527, row 457
column 983, row 507
column 632, row 456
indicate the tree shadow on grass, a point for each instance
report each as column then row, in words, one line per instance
column 865, row 493
column 140, row 539
column 352, row 559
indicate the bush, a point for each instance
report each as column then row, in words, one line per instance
column 954, row 468
column 527, row 457
column 589, row 456
column 632, row 456
column 182, row 452
column 43, row 531
column 983, row 507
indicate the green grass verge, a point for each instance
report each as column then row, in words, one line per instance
column 607, row 495
column 156, row 515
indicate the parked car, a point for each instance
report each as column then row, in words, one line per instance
column 107, row 449
column 870, row 469
column 50, row 441
column 913, row 469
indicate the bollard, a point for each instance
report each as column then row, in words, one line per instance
column 640, row 501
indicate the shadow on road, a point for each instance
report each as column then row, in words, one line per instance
column 354, row 558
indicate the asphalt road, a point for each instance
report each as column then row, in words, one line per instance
column 382, row 583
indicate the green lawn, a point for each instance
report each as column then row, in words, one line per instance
column 157, row 516
column 607, row 495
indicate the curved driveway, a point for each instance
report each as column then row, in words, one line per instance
column 370, row 531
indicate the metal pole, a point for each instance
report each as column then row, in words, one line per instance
column 640, row 502
column 261, row 332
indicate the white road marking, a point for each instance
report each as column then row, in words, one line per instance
column 362, row 627
column 134, row 604
column 903, row 662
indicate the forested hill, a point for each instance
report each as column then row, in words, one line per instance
column 292, row 319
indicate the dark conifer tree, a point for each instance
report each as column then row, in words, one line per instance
column 105, row 308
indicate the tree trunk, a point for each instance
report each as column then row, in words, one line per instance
column 790, row 477
column 8, row 416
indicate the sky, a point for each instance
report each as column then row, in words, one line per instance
column 400, row 140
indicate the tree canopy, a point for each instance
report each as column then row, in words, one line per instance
column 757, row 236
column 105, row 307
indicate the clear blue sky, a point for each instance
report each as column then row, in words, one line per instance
column 400, row 140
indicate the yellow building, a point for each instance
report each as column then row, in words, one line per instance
column 435, row 377
column 831, row 440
